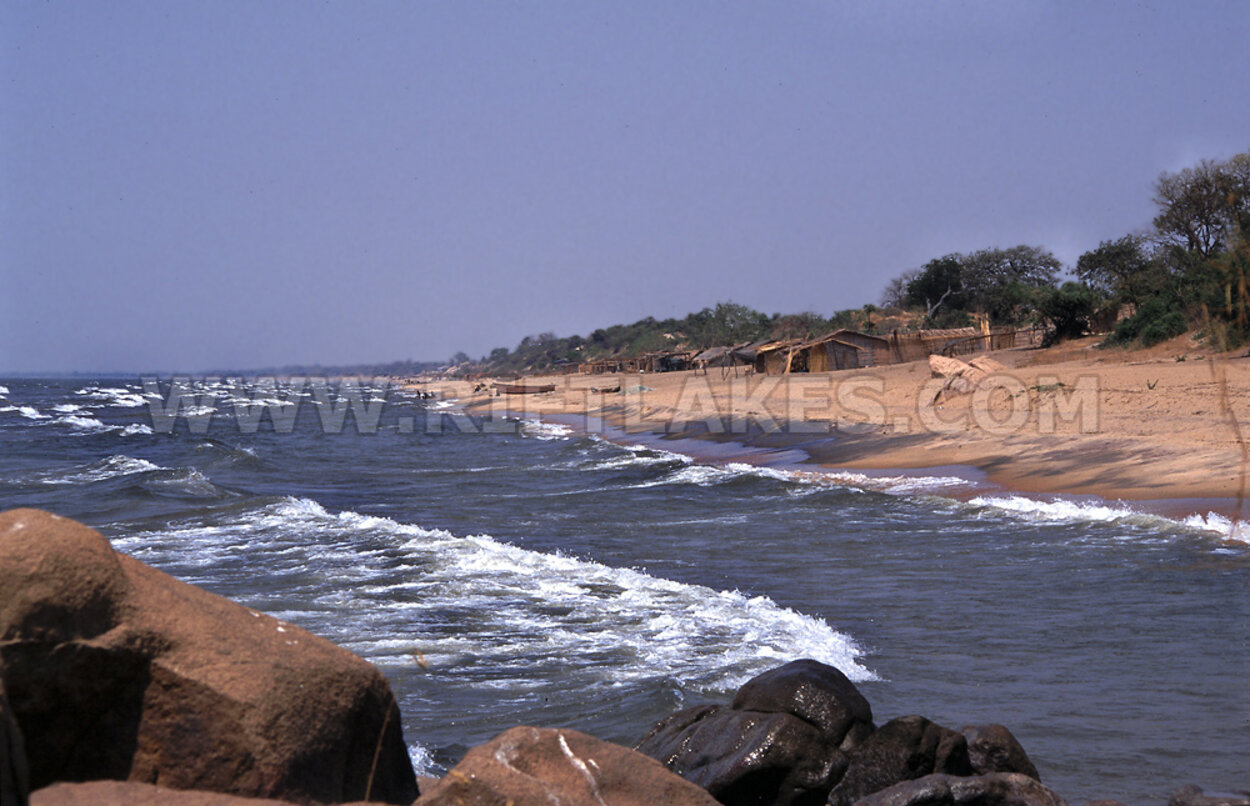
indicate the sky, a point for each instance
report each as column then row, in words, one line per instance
column 231, row 184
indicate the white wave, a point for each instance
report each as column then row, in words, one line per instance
column 67, row 408
column 135, row 429
column 423, row 763
column 112, row 467
column 8, row 408
column 809, row 481
column 114, row 396
column 1066, row 511
column 896, row 485
column 495, row 612
column 635, row 455
column 537, row 429
column 184, row 482
column 86, row 424
column 4, row 390
column 31, row 413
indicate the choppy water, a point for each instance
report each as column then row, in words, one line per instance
column 545, row 577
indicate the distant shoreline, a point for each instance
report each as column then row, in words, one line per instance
column 1147, row 426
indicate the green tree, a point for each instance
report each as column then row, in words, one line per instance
column 1122, row 270
column 1067, row 310
column 1005, row 282
column 1200, row 207
column 938, row 282
column 727, row 323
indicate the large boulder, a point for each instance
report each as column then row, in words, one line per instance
column 961, row 377
column 995, row 789
column 783, row 740
column 901, row 750
column 535, row 765
column 115, row 670
column 993, row 748
column 130, row 793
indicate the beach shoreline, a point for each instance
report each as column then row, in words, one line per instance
column 1158, row 428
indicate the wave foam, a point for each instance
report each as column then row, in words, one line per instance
column 85, row 424
column 497, row 614
column 113, row 396
column 112, row 467
column 537, row 429
column 1065, row 511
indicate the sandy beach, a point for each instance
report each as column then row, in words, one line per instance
column 1165, row 425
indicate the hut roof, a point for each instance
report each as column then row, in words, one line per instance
column 772, row 346
column 842, row 333
column 948, row 333
column 712, row 353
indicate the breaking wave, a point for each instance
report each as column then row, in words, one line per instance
column 492, row 612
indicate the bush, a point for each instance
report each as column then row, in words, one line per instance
column 1169, row 326
column 1158, row 319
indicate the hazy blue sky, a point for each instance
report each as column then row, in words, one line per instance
column 190, row 185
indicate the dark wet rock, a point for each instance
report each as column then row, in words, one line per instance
column 784, row 739
column 993, row 748
column 995, row 789
column 13, row 767
column 1191, row 795
column 115, row 670
column 902, row 749
column 534, row 765
column 815, row 693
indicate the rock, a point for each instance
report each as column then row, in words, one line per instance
column 13, row 767
column 961, row 378
column 995, row 789
column 901, row 750
column 783, row 740
column 812, row 691
column 987, row 364
column 1191, row 795
column 993, row 748
column 129, row 793
column 115, row 670
column 535, row 765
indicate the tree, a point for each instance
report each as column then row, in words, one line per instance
column 1005, row 283
column 1199, row 207
column 460, row 358
column 727, row 323
column 895, row 293
column 1068, row 310
column 1123, row 270
column 938, row 281
column 799, row 325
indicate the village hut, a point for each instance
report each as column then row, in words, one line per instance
column 666, row 361
column 613, row 364
column 874, row 351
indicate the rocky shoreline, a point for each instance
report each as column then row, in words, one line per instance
column 122, row 685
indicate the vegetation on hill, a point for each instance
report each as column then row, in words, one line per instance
column 1190, row 269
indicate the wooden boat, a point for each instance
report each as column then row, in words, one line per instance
column 523, row 389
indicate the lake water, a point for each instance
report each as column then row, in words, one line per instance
column 537, row 575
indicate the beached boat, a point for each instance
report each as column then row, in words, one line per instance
column 523, row 389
